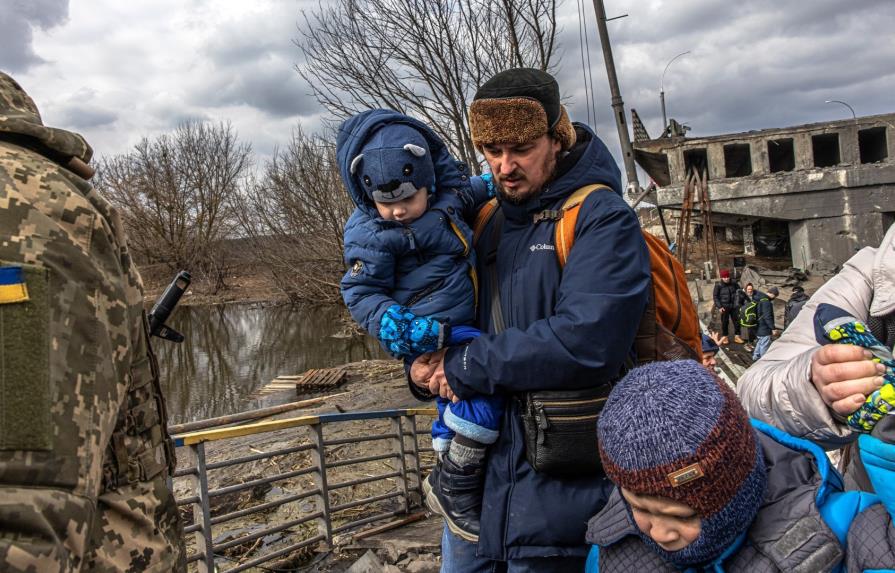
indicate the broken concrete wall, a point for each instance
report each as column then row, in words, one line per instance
column 830, row 241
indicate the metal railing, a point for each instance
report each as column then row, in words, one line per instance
column 314, row 503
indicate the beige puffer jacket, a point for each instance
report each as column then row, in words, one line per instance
column 777, row 389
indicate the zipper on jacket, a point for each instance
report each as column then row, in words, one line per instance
column 424, row 293
column 549, row 403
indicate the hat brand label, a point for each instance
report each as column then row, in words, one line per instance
column 685, row 475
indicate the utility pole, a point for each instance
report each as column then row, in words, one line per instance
column 618, row 106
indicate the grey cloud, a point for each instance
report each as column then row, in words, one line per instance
column 85, row 116
column 753, row 65
column 81, row 110
column 269, row 84
column 254, row 62
column 16, row 36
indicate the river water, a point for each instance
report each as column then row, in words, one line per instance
column 232, row 351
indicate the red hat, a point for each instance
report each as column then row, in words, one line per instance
column 725, row 274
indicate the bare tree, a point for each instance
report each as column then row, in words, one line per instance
column 293, row 218
column 421, row 57
column 174, row 193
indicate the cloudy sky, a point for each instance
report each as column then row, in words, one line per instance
column 117, row 71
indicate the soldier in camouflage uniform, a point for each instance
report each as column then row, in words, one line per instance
column 84, row 450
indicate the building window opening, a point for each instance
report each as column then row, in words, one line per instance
column 826, row 149
column 872, row 144
column 696, row 160
column 781, row 155
column 737, row 160
column 771, row 238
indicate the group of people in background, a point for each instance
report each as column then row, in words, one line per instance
column 751, row 313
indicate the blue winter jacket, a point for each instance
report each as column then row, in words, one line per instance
column 427, row 265
column 566, row 329
column 877, row 451
column 802, row 524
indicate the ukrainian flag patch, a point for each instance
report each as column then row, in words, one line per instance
column 12, row 285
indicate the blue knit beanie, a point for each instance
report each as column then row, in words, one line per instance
column 674, row 429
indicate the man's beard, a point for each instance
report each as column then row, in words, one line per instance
column 517, row 199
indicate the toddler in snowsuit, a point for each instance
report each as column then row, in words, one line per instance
column 700, row 488
column 411, row 269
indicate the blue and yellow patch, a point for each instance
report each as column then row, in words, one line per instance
column 12, row 285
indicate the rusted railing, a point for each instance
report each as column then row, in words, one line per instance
column 320, row 504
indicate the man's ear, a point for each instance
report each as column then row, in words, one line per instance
column 354, row 163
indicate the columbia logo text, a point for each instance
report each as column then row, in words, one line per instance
column 541, row 247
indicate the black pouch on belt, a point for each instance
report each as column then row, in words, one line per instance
column 561, row 430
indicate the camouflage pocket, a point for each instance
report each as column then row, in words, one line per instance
column 24, row 363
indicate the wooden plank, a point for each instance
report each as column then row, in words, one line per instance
column 271, row 425
column 249, row 415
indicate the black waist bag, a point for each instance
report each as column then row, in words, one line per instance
column 561, row 430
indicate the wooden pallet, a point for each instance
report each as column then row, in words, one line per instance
column 316, row 379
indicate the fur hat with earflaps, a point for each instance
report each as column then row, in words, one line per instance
column 518, row 106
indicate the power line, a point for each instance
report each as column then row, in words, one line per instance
column 583, row 68
column 593, row 97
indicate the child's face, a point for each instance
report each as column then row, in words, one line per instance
column 406, row 210
column 671, row 524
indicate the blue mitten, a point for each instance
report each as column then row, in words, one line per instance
column 489, row 184
column 426, row 335
column 393, row 328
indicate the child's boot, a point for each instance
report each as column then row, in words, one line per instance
column 455, row 493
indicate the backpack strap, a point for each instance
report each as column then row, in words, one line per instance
column 484, row 215
column 565, row 225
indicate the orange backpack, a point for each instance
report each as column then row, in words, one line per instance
column 669, row 328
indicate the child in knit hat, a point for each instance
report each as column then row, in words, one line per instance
column 701, row 488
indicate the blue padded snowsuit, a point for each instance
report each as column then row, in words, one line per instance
column 427, row 265
column 802, row 525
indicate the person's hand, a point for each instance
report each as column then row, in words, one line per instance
column 424, row 367
column 438, row 383
column 723, row 310
column 715, row 336
column 775, row 332
column 844, row 376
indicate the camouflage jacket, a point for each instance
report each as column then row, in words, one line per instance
column 83, row 445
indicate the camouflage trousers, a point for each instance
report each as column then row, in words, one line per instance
column 133, row 529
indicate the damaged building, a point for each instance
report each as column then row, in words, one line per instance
column 816, row 193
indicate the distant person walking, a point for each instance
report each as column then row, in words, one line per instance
column 794, row 305
column 748, row 312
column 725, row 297
column 766, row 327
